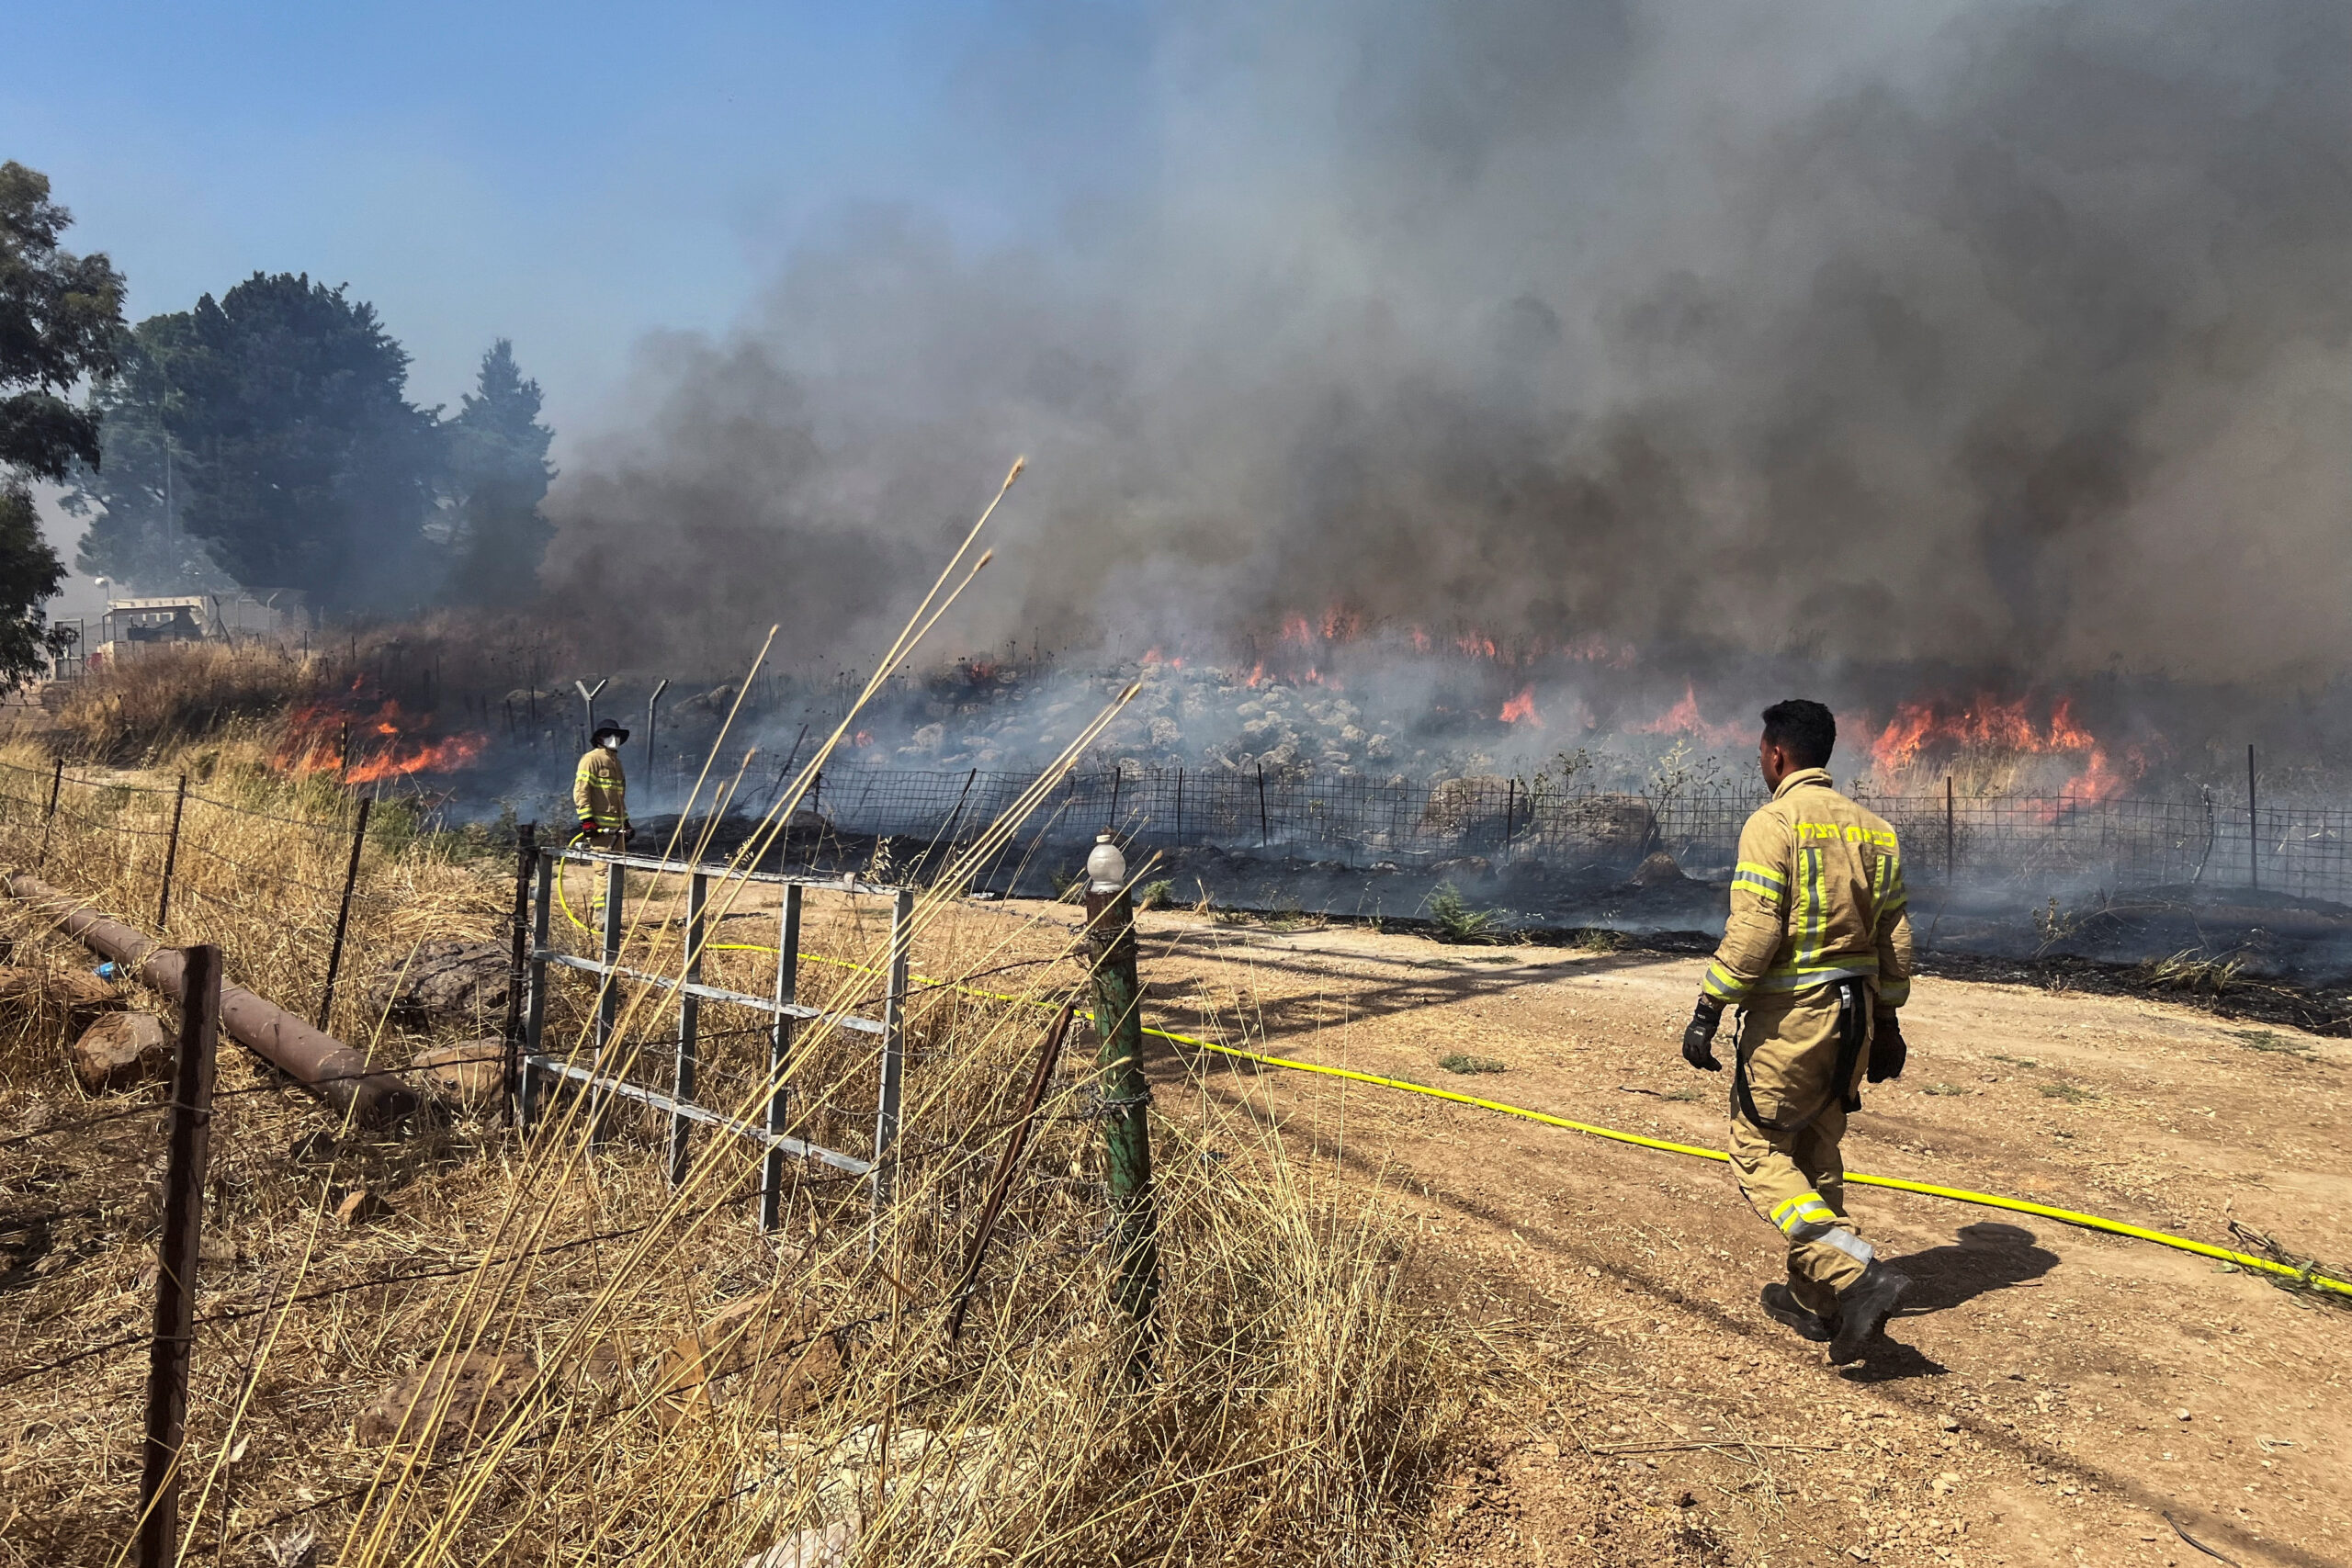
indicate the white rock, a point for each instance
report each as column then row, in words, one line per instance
column 826, row 1547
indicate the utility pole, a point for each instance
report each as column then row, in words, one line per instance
column 1126, row 1094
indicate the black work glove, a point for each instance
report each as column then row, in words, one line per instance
column 1698, row 1035
column 1887, row 1049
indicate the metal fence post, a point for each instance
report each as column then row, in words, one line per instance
column 1126, row 1130
column 894, row 1052
column 652, row 714
column 1265, row 835
column 49, row 819
column 2253, row 826
column 187, row 1145
column 788, row 994
column 1950, row 815
column 343, row 912
column 526, row 1088
column 682, row 1075
column 608, row 989
column 518, row 967
column 171, row 856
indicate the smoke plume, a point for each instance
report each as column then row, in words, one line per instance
column 2012, row 336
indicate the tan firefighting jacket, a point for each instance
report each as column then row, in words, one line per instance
column 1817, row 897
column 600, row 791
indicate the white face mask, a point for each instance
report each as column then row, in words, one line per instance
column 612, row 742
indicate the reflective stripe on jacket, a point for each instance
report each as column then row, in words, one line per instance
column 1816, row 896
column 599, row 790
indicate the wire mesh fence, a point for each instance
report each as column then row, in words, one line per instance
column 2298, row 848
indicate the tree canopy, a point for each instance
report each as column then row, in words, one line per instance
column 498, row 475
column 60, row 321
column 308, row 467
column 267, row 438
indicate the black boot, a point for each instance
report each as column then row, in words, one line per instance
column 1864, row 1308
column 1781, row 1305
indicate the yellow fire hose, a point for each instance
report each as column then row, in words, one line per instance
column 2305, row 1276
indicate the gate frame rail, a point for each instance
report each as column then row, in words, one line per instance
column 535, row 1067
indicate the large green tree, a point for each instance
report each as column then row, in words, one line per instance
column 305, row 465
column 498, row 475
column 135, row 499
column 61, row 317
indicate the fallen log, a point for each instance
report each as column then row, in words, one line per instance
column 371, row 1097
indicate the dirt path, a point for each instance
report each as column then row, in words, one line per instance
column 2050, row 1395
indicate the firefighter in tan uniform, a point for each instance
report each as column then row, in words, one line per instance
column 1817, row 955
column 600, row 790
column 600, row 793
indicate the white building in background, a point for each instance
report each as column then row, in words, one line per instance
column 132, row 623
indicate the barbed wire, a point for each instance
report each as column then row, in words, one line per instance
column 311, row 824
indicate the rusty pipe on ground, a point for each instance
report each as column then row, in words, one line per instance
column 330, row 1069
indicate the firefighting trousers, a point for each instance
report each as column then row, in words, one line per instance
column 611, row 841
column 1797, row 1179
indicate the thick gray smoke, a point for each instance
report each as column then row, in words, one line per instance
column 2013, row 335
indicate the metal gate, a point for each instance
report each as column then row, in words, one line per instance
column 536, row 1069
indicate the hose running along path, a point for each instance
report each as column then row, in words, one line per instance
column 2308, row 1277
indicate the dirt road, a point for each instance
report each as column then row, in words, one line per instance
column 2048, row 1396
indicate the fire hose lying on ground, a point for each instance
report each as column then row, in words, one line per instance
column 368, row 1095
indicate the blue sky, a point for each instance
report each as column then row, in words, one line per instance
column 566, row 176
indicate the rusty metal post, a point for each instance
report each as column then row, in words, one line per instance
column 186, row 1145
column 49, row 819
column 518, row 957
column 535, row 1014
column 1047, row 1055
column 343, row 910
column 171, row 856
column 1126, row 1101
column 1265, row 835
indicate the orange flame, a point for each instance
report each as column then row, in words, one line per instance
column 398, row 761
column 1986, row 723
column 381, row 745
column 1684, row 718
column 1521, row 709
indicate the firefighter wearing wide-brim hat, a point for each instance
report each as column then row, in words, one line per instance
column 1817, row 955
column 600, row 790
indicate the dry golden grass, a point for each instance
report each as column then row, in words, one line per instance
column 175, row 693
column 1301, row 1402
